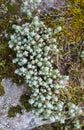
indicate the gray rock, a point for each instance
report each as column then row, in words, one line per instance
column 11, row 97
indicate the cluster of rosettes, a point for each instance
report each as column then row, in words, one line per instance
column 74, row 110
column 47, row 104
column 29, row 6
column 34, row 44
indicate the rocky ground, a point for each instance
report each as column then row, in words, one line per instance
column 11, row 97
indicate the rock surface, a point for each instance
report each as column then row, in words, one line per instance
column 11, row 97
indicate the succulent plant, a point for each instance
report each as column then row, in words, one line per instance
column 34, row 43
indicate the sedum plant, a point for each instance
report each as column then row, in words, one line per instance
column 34, row 44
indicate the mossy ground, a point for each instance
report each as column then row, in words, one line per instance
column 14, row 110
column 57, row 126
column 7, row 68
column 2, row 92
column 70, row 43
column 24, row 102
column 10, row 17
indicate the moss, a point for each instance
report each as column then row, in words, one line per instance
column 76, row 94
column 24, row 102
column 69, row 42
column 7, row 68
column 68, row 125
column 19, row 1
column 14, row 110
column 2, row 2
column 2, row 92
column 29, row 88
column 57, row 126
column 44, row 127
column 12, row 8
column 54, row 126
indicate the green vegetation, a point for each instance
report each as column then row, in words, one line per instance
column 6, row 66
column 2, row 92
column 13, row 8
column 44, row 127
column 9, row 15
column 57, row 126
column 24, row 102
column 14, row 110
column 18, row 109
column 19, row 1
column 70, row 42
